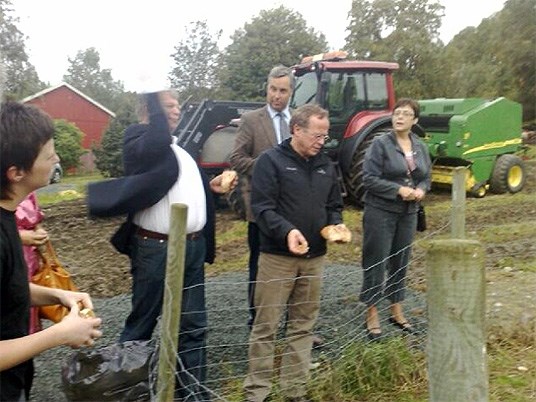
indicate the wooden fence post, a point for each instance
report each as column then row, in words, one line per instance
column 458, row 203
column 456, row 348
column 456, row 298
column 172, row 303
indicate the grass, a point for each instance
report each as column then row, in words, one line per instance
column 393, row 370
column 76, row 189
column 512, row 364
column 382, row 371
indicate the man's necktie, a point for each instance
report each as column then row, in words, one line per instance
column 283, row 127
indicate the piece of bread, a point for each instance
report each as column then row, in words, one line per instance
column 227, row 178
column 87, row 313
column 303, row 248
column 336, row 234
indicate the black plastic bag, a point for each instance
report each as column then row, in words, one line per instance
column 421, row 219
column 119, row 372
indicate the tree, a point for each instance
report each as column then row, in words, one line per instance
column 497, row 58
column 276, row 36
column 518, row 28
column 470, row 66
column 21, row 78
column 68, row 143
column 196, row 63
column 109, row 155
column 86, row 75
column 403, row 31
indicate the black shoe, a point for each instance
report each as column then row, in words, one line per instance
column 373, row 336
column 404, row 326
column 251, row 320
column 318, row 342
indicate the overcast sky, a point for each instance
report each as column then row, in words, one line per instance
column 135, row 37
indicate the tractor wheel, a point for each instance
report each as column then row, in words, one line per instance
column 354, row 177
column 236, row 201
column 479, row 191
column 509, row 174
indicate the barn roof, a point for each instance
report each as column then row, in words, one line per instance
column 78, row 92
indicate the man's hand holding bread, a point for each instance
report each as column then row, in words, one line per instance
column 336, row 233
column 224, row 182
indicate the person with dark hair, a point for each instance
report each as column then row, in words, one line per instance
column 396, row 176
column 27, row 156
column 159, row 173
column 295, row 194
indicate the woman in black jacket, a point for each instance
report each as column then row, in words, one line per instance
column 396, row 176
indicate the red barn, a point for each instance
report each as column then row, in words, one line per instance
column 64, row 101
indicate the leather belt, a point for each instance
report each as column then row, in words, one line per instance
column 162, row 236
column 194, row 235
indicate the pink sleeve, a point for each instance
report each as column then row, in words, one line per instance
column 28, row 213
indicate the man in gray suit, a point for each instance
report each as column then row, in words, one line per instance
column 260, row 130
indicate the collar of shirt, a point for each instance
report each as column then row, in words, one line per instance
column 285, row 111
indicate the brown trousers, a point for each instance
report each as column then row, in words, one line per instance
column 295, row 284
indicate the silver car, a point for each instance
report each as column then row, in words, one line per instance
column 56, row 173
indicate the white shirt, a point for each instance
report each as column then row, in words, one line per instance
column 188, row 189
column 275, row 120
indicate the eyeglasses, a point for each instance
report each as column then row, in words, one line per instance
column 318, row 137
column 404, row 113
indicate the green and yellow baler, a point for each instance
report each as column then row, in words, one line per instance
column 482, row 135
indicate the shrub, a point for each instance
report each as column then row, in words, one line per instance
column 68, row 143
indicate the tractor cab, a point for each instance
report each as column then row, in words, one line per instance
column 349, row 90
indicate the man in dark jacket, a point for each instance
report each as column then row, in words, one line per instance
column 295, row 194
column 158, row 173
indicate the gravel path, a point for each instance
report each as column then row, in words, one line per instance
column 340, row 323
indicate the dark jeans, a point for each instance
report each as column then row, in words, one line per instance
column 254, row 252
column 387, row 238
column 148, row 267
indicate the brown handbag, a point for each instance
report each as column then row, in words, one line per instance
column 53, row 275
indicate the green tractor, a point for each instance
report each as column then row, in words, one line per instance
column 482, row 135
